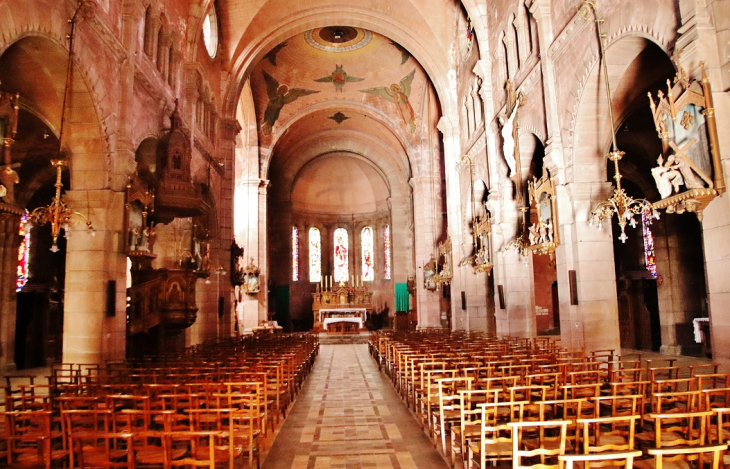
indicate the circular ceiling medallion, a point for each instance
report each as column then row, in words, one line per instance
column 338, row 38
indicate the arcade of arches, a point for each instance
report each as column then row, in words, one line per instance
column 205, row 139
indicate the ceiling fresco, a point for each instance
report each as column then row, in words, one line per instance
column 353, row 74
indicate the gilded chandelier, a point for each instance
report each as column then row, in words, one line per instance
column 57, row 212
column 620, row 203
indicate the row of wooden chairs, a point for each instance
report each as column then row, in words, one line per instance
column 453, row 381
column 125, row 414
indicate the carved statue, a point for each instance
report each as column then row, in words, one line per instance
column 667, row 176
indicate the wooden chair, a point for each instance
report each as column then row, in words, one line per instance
column 450, row 406
column 605, row 434
column 32, row 441
column 470, row 423
column 496, row 435
column 618, row 458
column 93, row 444
column 552, row 436
column 672, row 455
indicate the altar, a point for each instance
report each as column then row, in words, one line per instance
column 345, row 304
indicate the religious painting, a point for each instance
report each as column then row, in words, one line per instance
column 429, row 275
column 543, row 231
column 688, row 174
column 447, row 271
column 338, row 78
column 398, row 94
column 279, row 96
column 271, row 55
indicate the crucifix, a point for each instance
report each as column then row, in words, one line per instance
column 510, row 137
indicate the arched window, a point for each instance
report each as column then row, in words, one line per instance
column 315, row 255
column 366, row 242
column 341, row 260
column 23, row 253
column 210, row 32
column 295, row 254
column 386, row 250
column 148, row 32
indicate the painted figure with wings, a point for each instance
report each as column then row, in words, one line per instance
column 398, row 93
column 279, row 95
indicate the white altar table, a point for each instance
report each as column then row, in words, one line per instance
column 342, row 313
column 327, row 321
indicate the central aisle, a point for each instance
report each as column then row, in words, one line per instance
column 349, row 416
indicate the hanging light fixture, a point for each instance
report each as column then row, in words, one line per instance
column 620, row 203
column 57, row 212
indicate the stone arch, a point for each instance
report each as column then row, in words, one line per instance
column 84, row 139
column 254, row 48
column 590, row 127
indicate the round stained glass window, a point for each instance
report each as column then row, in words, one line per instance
column 210, row 32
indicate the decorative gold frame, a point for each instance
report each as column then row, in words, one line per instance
column 543, row 238
column 447, row 270
column 685, row 92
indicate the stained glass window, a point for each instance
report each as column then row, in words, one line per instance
column 295, row 253
column 341, row 261
column 23, row 252
column 648, row 245
column 210, row 32
column 315, row 255
column 366, row 239
column 386, row 250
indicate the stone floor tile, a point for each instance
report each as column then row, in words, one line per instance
column 348, row 416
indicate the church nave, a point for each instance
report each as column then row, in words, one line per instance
column 349, row 416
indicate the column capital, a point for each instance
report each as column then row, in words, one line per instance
column 448, row 126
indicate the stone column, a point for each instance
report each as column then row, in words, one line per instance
column 9, row 241
column 701, row 33
column 449, row 127
column 90, row 335
column 483, row 69
column 427, row 301
column 592, row 323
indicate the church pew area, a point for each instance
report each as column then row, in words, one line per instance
column 518, row 401
column 218, row 404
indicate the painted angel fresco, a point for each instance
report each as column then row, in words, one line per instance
column 338, row 78
column 398, row 93
column 279, row 95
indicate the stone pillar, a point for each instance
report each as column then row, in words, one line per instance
column 9, row 224
column 424, row 219
column 449, row 127
column 251, row 201
column 540, row 10
column 90, row 336
column 592, row 323
column 483, row 69
column 700, row 40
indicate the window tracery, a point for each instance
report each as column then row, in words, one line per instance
column 315, row 255
column 386, row 251
column 367, row 245
column 295, row 253
column 341, row 255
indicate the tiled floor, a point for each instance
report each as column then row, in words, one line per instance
column 348, row 416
